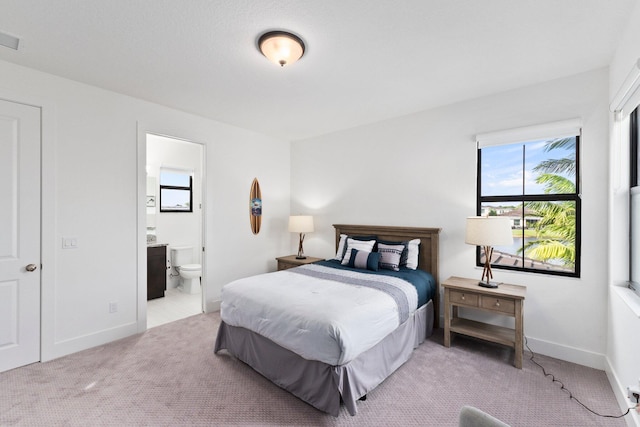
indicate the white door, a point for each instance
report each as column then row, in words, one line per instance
column 19, row 235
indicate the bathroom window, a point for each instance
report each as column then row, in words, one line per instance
column 176, row 191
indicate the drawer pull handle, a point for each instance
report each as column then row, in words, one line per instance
column 462, row 296
column 497, row 303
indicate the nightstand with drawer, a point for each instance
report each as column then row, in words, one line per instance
column 506, row 299
column 290, row 261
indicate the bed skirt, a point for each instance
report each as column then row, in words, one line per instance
column 321, row 385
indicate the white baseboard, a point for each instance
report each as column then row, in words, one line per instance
column 620, row 391
column 73, row 345
column 562, row 352
column 567, row 353
column 211, row 306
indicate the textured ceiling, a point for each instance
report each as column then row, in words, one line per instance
column 366, row 60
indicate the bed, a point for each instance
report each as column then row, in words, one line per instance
column 365, row 340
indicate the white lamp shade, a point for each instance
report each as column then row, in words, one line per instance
column 488, row 231
column 301, row 224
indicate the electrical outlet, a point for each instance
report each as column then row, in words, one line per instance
column 633, row 393
column 113, row 307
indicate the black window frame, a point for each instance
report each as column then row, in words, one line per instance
column 524, row 198
column 177, row 187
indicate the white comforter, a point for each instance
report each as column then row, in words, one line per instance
column 316, row 318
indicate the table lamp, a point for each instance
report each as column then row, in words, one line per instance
column 301, row 224
column 488, row 231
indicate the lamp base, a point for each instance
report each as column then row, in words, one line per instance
column 300, row 250
column 488, row 284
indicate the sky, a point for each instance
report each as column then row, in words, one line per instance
column 502, row 169
column 174, row 198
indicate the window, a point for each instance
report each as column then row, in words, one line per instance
column 176, row 191
column 634, row 203
column 535, row 184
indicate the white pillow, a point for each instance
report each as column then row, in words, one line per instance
column 361, row 245
column 340, row 252
column 413, row 249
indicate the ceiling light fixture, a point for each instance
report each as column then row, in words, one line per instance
column 281, row 47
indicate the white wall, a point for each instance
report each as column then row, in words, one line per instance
column 177, row 228
column 420, row 170
column 623, row 346
column 94, row 187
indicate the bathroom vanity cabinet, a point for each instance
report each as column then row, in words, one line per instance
column 156, row 271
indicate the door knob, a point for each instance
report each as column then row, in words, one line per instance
column 31, row 267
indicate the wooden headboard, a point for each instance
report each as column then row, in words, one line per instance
column 427, row 259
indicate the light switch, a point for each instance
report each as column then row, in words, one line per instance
column 69, row 242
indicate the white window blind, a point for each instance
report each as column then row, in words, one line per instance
column 560, row 129
column 628, row 96
column 635, row 235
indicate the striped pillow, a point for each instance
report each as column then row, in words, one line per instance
column 364, row 260
column 390, row 256
column 410, row 253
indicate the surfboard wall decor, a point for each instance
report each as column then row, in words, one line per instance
column 255, row 206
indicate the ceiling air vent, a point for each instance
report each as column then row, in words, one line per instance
column 9, row 41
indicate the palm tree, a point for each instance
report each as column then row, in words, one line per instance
column 556, row 231
column 566, row 165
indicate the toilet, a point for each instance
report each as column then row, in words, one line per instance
column 182, row 259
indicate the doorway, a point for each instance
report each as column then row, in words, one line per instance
column 174, row 228
column 20, row 234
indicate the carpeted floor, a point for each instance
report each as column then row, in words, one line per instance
column 169, row 376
